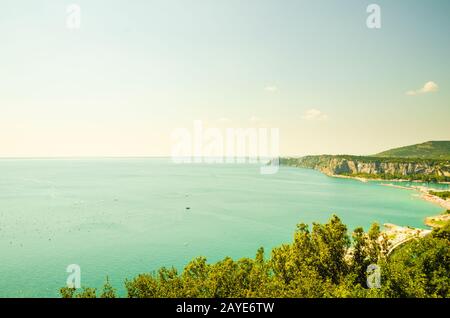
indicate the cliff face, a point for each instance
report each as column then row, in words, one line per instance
column 344, row 166
column 373, row 166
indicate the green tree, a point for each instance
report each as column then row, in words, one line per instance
column 360, row 255
column 108, row 291
column 67, row 292
column 322, row 262
column 87, row 292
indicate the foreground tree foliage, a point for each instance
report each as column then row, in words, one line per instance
column 321, row 262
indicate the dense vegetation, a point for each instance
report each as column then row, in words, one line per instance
column 320, row 262
column 442, row 194
column 430, row 150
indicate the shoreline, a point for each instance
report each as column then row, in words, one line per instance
column 425, row 195
column 436, row 200
column 400, row 235
column 397, row 235
column 366, row 180
column 432, row 221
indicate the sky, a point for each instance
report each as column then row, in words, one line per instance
column 135, row 71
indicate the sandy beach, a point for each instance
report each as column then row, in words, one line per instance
column 436, row 200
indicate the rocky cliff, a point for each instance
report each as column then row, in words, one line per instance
column 375, row 167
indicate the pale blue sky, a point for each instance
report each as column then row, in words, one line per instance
column 136, row 70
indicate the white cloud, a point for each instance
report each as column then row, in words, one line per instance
column 314, row 114
column 271, row 89
column 429, row 87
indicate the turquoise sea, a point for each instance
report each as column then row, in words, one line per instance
column 121, row 217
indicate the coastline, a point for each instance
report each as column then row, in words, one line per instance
column 425, row 195
column 365, row 180
column 399, row 233
column 436, row 200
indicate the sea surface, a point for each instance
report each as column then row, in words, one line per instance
column 122, row 217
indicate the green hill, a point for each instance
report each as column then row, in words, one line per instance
column 427, row 150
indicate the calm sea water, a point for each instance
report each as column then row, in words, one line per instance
column 121, row 217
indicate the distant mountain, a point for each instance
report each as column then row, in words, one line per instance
column 427, row 150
